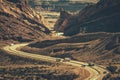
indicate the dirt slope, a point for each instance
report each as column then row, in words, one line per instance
column 99, row 48
column 103, row 16
column 19, row 22
column 87, row 47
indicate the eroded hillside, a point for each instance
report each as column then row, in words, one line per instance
column 99, row 48
column 103, row 16
column 17, row 68
column 81, row 47
column 19, row 22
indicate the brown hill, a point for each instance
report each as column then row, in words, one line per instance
column 19, row 22
column 99, row 48
column 103, row 16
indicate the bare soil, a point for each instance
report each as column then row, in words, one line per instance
column 99, row 48
column 87, row 47
column 13, row 67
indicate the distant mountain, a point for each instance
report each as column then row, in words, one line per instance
column 93, row 1
column 56, row 5
column 103, row 16
column 19, row 22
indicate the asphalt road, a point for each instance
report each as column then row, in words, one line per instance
column 96, row 72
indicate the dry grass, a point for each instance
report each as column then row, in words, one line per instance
column 45, row 72
column 103, row 49
column 13, row 67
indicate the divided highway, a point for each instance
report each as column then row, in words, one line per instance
column 96, row 72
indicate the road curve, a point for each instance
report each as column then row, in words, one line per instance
column 96, row 72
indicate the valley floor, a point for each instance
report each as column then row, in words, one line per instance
column 17, row 68
column 99, row 48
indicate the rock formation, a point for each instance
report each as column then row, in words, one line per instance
column 101, row 17
column 19, row 22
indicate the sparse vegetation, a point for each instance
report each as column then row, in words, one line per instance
column 66, row 47
column 114, row 72
column 13, row 67
column 86, row 48
column 37, row 73
column 20, row 23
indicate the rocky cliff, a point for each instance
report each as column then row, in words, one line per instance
column 103, row 16
column 19, row 22
column 64, row 15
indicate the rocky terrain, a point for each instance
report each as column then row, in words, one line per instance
column 56, row 5
column 103, row 16
column 17, row 68
column 99, row 48
column 19, row 22
column 81, row 47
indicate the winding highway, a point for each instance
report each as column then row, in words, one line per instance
column 96, row 72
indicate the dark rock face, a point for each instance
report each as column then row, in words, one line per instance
column 19, row 22
column 64, row 15
column 103, row 16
